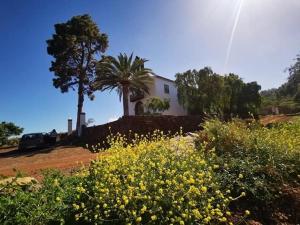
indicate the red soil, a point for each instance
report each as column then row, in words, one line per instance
column 265, row 120
column 65, row 158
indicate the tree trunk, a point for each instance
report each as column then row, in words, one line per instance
column 125, row 100
column 79, row 106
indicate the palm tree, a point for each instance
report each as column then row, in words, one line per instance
column 123, row 74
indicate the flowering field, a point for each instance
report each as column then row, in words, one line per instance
column 163, row 181
column 232, row 169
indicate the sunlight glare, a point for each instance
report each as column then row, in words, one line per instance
column 234, row 27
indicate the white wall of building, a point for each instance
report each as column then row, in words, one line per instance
column 157, row 90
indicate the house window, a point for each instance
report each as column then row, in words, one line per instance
column 166, row 88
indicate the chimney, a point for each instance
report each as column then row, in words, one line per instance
column 82, row 123
column 69, row 126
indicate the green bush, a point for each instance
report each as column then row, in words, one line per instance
column 46, row 203
column 256, row 159
column 13, row 142
column 155, row 105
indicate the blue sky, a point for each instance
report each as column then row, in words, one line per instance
column 175, row 35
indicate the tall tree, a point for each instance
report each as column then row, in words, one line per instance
column 200, row 92
column 233, row 88
column 249, row 99
column 124, row 74
column 75, row 47
column 7, row 130
column 205, row 92
column 292, row 86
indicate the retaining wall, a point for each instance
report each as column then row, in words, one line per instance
column 141, row 125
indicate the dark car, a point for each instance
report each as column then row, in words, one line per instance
column 34, row 140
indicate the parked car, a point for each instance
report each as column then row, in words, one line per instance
column 33, row 140
column 38, row 140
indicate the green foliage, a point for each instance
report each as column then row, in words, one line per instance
column 7, row 130
column 292, row 86
column 124, row 74
column 249, row 100
column 287, row 97
column 74, row 47
column 198, row 91
column 205, row 92
column 155, row 105
column 48, row 203
column 269, row 98
column 256, row 159
column 272, row 99
column 13, row 142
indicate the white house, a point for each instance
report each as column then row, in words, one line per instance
column 163, row 88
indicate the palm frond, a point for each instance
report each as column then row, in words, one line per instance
column 114, row 72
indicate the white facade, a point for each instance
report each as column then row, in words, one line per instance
column 157, row 89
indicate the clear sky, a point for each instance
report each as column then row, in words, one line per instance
column 175, row 35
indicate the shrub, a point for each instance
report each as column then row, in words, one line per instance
column 7, row 130
column 49, row 203
column 161, row 181
column 155, row 105
column 256, row 159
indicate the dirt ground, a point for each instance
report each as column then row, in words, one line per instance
column 265, row 120
column 31, row 162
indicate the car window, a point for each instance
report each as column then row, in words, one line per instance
column 31, row 136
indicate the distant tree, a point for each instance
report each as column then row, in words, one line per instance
column 249, row 99
column 205, row 92
column 187, row 91
column 287, row 97
column 124, row 74
column 293, row 84
column 155, row 105
column 269, row 101
column 75, row 46
column 199, row 91
column 232, row 92
column 7, row 130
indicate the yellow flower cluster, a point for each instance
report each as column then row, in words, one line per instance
column 160, row 181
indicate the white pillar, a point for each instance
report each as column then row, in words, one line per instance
column 69, row 126
column 82, row 122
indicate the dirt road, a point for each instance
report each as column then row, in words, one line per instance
column 65, row 158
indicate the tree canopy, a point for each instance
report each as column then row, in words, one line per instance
column 75, row 46
column 8, row 129
column 205, row 92
column 125, row 74
column 287, row 97
column 292, row 86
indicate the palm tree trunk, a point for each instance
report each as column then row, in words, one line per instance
column 125, row 100
column 80, row 105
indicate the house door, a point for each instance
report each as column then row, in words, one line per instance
column 139, row 108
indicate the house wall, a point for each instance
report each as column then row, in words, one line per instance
column 157, row 90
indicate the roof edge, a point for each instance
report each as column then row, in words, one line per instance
column 164, row 78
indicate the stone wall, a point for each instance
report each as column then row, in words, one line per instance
column 141, row 125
